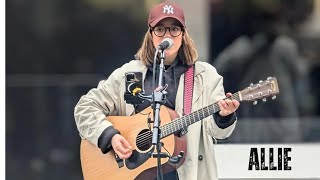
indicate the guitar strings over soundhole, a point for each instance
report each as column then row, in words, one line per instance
column 144, row 140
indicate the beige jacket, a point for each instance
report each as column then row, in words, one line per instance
column 107, row 99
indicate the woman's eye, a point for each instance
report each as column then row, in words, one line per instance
column 159, row 29
column 175, row 29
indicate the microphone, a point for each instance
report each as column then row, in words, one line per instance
column 165, row 44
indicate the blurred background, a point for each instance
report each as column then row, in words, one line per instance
column 58, row 50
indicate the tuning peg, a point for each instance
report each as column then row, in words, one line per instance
column 264, row 99
column 255, row 103
column 260, row 81
column 269, row 78
column 251, row 84
column 274, row 97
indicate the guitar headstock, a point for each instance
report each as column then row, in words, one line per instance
column 260, row 90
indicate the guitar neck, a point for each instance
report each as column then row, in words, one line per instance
column 192, row 118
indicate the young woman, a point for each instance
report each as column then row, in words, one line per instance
column 166, row 20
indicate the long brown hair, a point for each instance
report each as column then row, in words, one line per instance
column 147, row 50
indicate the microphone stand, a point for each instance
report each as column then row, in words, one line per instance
column 159, row 98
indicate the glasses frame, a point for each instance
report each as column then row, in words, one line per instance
column 165, row 31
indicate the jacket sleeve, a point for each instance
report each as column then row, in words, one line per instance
column 224, row 121
column 217, row 93
column 91, row 110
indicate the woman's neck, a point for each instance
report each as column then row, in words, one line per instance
column 170, row 59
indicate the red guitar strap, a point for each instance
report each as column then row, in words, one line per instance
column 187, row 94
column 188, row 90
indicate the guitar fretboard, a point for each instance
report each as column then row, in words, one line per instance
column 192, row 118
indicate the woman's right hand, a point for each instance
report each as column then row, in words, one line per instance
column 121, row 146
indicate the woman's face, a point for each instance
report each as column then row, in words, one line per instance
column 161, row 31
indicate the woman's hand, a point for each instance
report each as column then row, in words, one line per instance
column 228, row 106
column 121, row 146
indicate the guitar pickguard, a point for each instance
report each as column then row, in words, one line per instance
column 137, row 159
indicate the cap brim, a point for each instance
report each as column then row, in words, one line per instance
column 156, row 21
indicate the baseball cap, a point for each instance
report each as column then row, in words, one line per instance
column 165, row 10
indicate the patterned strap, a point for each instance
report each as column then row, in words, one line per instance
column 188, row 90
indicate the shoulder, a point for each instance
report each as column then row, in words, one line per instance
column 207, row 74
column 201, row 66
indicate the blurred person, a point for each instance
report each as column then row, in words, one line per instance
column 166, row 20
column 270, row 49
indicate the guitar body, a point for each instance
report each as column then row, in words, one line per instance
column 96, row 165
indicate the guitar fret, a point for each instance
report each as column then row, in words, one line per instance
column 198, row 115
column 176, row 128
column 203, row 113
column 169, row 127
column 163, row 134
column 180, row 123
column 214, row 109
column 163, row 130
column 166, row 131
column 173, row 127
column 186, row 122
column 208, row 110
column 217, row 107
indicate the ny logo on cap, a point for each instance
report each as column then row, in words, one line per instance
column 168, row 9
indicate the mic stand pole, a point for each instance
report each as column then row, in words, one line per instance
column 159, row 97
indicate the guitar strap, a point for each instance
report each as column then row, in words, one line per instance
column 188, row 93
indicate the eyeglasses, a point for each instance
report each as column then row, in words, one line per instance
column 161, row 30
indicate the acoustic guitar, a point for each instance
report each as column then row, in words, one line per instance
column 137, row 131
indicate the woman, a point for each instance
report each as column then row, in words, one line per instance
column 166, row 20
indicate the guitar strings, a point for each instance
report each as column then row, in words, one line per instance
column 144, row 138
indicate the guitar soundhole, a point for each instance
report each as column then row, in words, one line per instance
column 143, row 141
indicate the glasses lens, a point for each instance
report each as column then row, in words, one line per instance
column 161, row 30
column 175, row 31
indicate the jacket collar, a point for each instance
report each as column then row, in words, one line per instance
column 198, row 86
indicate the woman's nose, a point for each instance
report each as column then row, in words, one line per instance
column 167, row 34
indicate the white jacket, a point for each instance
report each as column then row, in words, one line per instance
column 108, row 99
